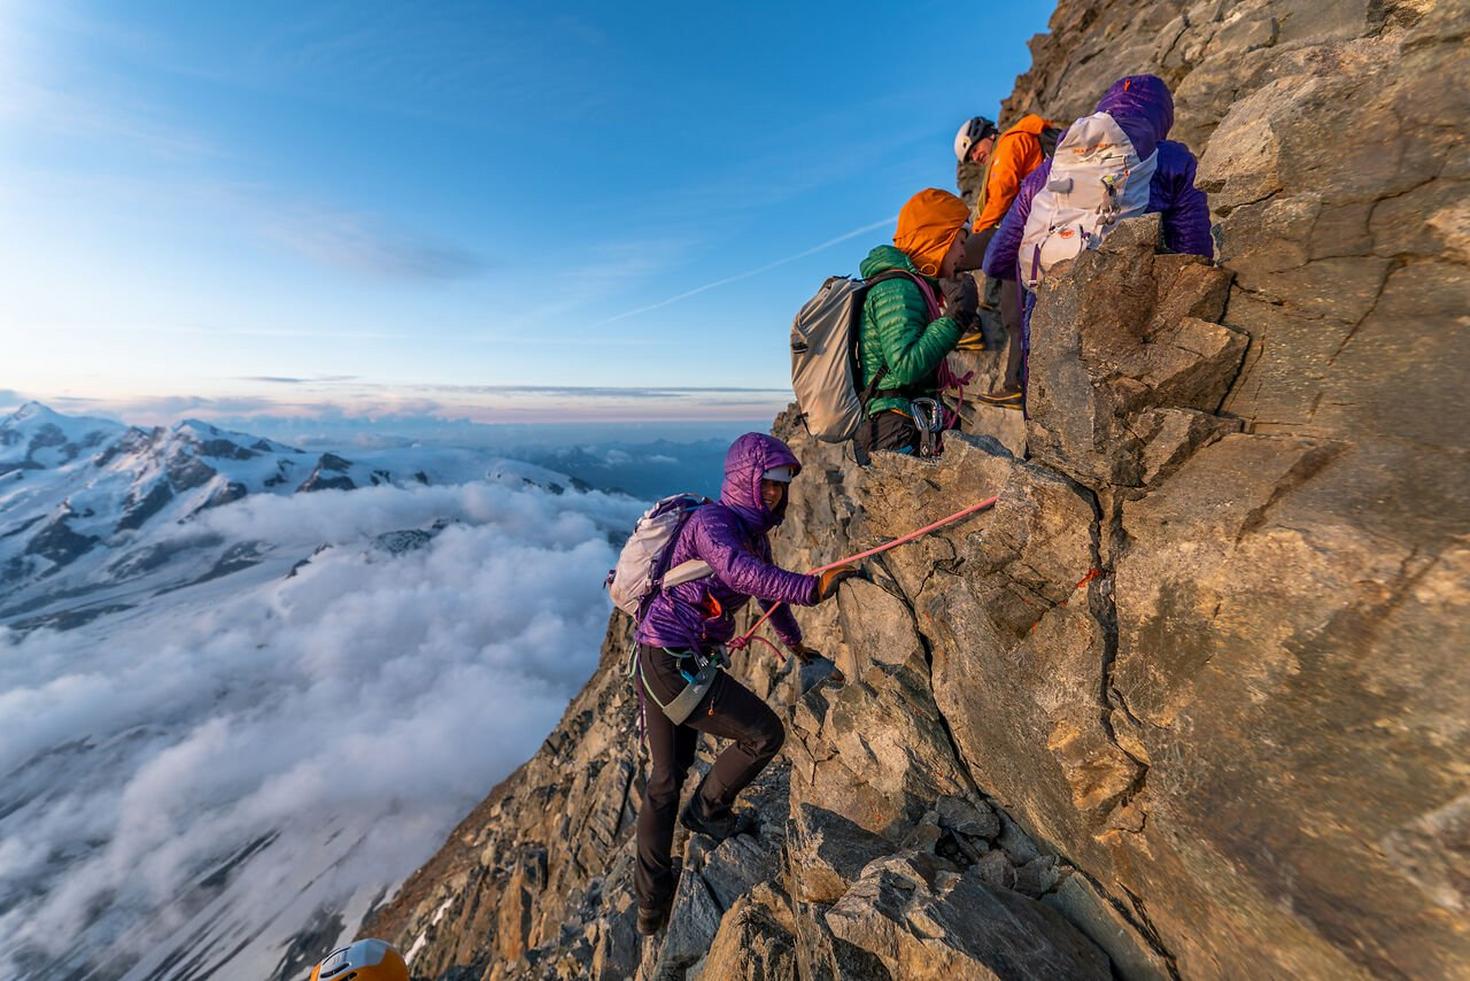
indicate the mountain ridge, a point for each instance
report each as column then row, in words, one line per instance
column 1187, row 701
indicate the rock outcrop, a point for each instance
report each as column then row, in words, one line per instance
column 1190, row 700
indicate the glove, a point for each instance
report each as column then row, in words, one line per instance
column 827, row 585
column 961, row 298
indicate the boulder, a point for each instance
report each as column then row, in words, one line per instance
column 1119, row 336
column 751, row 945
column 925, row 923
column 827, row 852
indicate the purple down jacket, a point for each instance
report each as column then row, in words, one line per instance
column 731, row 536
column 1144, row 109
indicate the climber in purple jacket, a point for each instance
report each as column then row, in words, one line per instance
column 682, row 627
column 1144, row 110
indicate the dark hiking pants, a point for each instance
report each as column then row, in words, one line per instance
column 1011, row 317
column 893, row 431
column 730, row 711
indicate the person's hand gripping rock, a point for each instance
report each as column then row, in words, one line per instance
column 829, row 581
column 961, row 298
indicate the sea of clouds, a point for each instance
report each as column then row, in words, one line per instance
column 190, row 782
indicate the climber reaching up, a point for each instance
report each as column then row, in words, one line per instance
column 907, row 329
column 1112, row 165
column 683, row 690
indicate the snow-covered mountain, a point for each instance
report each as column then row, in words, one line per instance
column 245, row 689
column 82, row 500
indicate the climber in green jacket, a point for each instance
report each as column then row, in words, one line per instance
column 910, row 324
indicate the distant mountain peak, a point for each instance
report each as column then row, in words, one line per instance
column 31, row 410
column 34, row 412
column 199, row 425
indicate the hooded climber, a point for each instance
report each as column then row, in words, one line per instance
column 906, row 328
column 1143, row 109
column 683, row 631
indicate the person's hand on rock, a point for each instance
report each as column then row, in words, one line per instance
column 832, row 578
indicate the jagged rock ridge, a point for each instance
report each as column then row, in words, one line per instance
column 1190, row 699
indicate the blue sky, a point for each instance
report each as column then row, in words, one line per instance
column 395, row 207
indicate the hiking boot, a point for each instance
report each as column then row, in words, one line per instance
column 718, row 826
column 652, row 920
column 973, row 341
column 1004, row 398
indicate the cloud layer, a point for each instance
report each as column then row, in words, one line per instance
column 338, row 397
column 329, row 727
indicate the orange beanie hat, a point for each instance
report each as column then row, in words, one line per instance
column 927, row 225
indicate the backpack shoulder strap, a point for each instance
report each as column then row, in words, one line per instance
column 925, row 290
column 878, row 376
column 685, row 571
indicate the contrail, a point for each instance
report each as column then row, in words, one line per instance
column 750, row 272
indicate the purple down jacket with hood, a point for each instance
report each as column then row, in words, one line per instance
column 1144, row 109
column 731, row 536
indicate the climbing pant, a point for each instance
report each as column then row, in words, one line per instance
column 1010, row 317
column 729, row 711
column 887, row 430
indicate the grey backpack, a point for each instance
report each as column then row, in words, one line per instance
column 824, row 356
column 642, row 568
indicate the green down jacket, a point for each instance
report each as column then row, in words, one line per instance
column 897, row 332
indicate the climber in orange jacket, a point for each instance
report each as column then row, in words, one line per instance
column 1008, row 159
column 1017, row 152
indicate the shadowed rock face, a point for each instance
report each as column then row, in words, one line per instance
column 1190, row 700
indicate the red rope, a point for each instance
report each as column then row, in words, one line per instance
column 744, row 639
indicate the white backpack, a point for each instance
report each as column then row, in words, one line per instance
column 1097, row 179
column 824, row 355
column 642, row 565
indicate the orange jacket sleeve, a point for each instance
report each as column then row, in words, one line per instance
column 1016, row 155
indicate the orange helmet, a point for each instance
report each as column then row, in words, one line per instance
column 365, row 960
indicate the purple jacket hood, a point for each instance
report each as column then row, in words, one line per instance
column 748, row 458
column 1143, row 107
column 731, row 537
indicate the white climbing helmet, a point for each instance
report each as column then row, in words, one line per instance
column 974, row 130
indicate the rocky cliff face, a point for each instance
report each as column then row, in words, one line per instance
column 1190, row 701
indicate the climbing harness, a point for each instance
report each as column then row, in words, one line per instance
column 699, row 672
column 929, row 420
column 743, row 641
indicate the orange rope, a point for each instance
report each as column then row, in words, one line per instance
column 744, row 639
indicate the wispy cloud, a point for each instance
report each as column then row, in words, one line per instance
column 48, row 91
column 364, row 245
column 44, row 92
column 749, row 273
column 431, row 62
column 213, row 330
column 342, row 399
column 282, row 380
